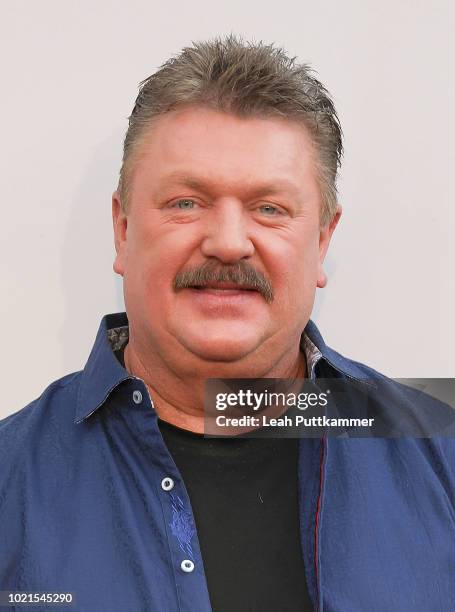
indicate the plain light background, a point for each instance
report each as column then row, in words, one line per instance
column 70, row 72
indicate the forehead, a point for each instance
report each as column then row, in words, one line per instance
column 199, row 147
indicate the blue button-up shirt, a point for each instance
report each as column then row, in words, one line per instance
column 85, row 507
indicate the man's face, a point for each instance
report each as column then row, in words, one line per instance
column 223, row 196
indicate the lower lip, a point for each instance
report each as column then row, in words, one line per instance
column 223, row 297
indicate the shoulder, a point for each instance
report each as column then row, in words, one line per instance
column 415, row 419
column 55, row 407
column 422, row 409
column 437, row 394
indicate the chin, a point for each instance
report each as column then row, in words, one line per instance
column 222, row 346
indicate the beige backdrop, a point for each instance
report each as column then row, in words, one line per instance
column 69, row 79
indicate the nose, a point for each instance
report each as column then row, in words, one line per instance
column 226, row 233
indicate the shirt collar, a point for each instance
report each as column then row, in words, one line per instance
column 103, row 372
column 343, row 365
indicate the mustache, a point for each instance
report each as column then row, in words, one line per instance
column 240, row 273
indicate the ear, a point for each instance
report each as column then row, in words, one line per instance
column 120, row 222
column 325, row 236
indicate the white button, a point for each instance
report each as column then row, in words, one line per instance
column 187, row 565
column 167, row 484
column 137, row 397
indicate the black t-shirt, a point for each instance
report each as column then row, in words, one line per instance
column 244, row 496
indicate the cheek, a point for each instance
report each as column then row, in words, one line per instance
column 294, row 264
column 157, row 253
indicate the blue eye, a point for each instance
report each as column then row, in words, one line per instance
column 184, row 204
column 270, row 210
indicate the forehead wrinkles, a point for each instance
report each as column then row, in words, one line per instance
column 246, row 187
column 289, row 154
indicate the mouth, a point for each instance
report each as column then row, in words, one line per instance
column 223, row 288
column 224, row 298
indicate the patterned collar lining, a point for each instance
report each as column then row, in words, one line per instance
column 118, row 338
column 312, row 355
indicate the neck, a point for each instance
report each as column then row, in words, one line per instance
column 178, row 397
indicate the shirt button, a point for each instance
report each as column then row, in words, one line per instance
column 187, row 566
column 167, row 484
column 137, row 397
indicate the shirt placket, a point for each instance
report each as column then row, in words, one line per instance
column 179, row 524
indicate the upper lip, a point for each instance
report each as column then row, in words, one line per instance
column 214, row 285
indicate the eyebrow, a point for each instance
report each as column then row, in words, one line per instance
column 269, row 188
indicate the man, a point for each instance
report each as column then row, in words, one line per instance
column 222, row 219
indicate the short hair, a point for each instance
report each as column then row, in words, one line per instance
column 247, row 80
